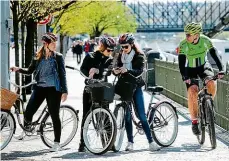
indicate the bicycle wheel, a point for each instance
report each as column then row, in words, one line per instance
column 99, row 130
column 119, row 113
column 163, row 123
column 8, row 126
column 201, row 137
column 210, row 119
column 69, row 125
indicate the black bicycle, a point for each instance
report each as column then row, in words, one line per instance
column 206, row 113
column 43, row 126
column 99, row 129
column 161, row 115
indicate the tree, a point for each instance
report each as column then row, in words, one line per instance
column 98, row 18
column 29, row 13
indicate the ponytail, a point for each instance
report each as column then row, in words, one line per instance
column 39, row 53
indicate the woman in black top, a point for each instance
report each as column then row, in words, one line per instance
column 93, row 66
column 49, row 72
column 131, row 60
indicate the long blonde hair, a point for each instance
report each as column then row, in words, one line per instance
column 40, row 53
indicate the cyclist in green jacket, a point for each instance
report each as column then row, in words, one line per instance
column 193, row 63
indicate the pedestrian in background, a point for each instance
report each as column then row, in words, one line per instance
column 79, row 50
column 87, row 47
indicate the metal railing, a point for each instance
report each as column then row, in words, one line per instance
column 167, row 75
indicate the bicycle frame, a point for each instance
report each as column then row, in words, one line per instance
column 18, row 112
column 203, row 95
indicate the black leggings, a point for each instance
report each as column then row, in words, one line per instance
column 53, row 99
column 86, row 108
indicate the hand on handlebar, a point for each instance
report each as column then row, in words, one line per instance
column 123, row 70
column 94, row 71
column 91, row 75
column 220, row 75
column 14, row 69
column 188, row 81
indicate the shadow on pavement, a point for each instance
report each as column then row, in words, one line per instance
column 185, row 148
column 184, row 123
column 14, row 155
column 88, row 155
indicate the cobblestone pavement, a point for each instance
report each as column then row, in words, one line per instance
column 184, row 148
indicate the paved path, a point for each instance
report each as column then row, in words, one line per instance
column 184, row 148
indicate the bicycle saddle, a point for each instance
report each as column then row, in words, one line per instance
column 155, row 89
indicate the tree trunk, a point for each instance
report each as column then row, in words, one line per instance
column 15, row 29
column 36, row 40
column 96, row 33
column 61, row 43
column 29, row 48
column 23, row 58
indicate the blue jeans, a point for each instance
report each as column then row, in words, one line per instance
column 140, row 112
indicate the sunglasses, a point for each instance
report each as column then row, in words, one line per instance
column 110, row 50
column 188, row 35
column 125, row 46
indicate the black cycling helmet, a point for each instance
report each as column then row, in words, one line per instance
column 49, row 37
column 126, row 39
column 108, row 42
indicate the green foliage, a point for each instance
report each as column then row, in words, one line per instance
column 37, row 10
column 96, row 18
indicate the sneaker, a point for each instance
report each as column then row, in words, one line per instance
column 130, row 146
column 56, row 147
column 195, row 129
column 21, row 136
column 81, row 147
column 153, row 147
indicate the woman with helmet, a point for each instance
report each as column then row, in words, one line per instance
column 49, row 72
column 93, row 66
column 131, row 60
column 193, row 63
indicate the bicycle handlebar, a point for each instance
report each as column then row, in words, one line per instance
column 20, row 86
column 208, row 78
column 90, row 80
column 144, row 70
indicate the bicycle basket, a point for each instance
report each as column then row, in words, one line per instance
column 102, row 92
column 8, row 98
column 125, row 90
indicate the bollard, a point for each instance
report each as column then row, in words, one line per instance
column 227, row 68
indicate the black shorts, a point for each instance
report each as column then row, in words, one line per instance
column 199, row 72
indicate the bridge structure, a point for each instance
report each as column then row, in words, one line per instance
column 173, row 15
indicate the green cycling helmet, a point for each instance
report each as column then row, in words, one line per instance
column 193, row 28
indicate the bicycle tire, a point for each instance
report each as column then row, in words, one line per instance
column 201, row 137
column 155, row 117
column 47, row 127
column 105, row 143
column 211, row 125
column 119, row 113
column 8, row 123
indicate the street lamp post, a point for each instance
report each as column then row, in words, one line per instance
column 5, row 25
